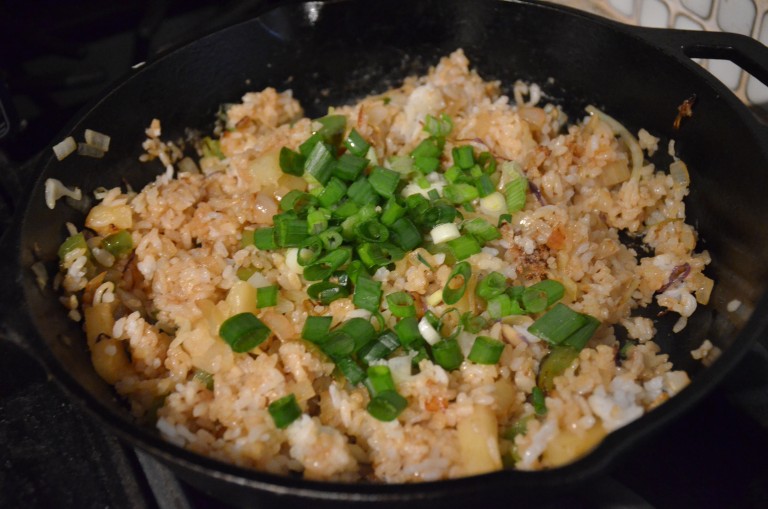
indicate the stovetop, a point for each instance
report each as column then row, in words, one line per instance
column 55, row 55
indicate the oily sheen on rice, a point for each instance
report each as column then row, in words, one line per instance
column 152, row 319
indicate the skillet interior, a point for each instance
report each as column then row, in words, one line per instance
column 332, row 53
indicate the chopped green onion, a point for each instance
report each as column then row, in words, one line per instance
column 487, row 162
column 504, row 218
column 264, row 239
column 426, row 164
column 316, row 328
column 346, row 210
column 447, row 354
column 481, row 229
column 332, row 128
column 291, row 162
column 491, row 285
column 349, row 167
column 473, row 323
column 384, row 181
column 360, row 329
column 534, row 300
column 515, row 192
column 354, row 270
column 379, row 380
column 76, row 241
column 290, row 231
column 308, row 146
column 485, row 186
column 500, row 306
column 464, row 247
column 580, row 338
column 463, row 157
column 320, row 162
column 558, row 323
column 310, row 250
column 538, row 401
column 324, row 267
column 439, row 214
column 332, row 193
column 380, row 348
column 284, row 411
column 405, row 234
column 486, row 350
column 367, row 293
column 337, row 344
column 401, row 304
column 363, row 214
column 119, row 243
column 266, row 296
column 243, row 332
column 326, row 292
column 351, row 370
column 438, row 127
column 401, row 164
column 554, row 290
column 361, row 192
column 371, row 231
column 386, row 406
column 417, row 205
column 426, row 148
column 331, row 239
column 461, row 272
column 460, row 193
column 297, row 201
column 407, row 330
column 372, row 255
column 392, row 212
column 356, row 144
column 455, row 174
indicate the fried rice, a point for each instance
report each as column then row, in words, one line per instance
column 152, row 317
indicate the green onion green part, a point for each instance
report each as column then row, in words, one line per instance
column 486, row 350
column 266, row 296
column 284, row 411
column 457, row 282
column 243, row 332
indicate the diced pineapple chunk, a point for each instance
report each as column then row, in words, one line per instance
column 479, row 441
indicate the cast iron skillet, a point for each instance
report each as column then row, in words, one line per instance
column 334, row 52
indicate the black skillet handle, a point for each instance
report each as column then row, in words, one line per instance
column 749, row 54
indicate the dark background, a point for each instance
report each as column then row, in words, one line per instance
column 55, row 57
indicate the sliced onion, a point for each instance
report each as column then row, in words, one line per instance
column 679, row 172
column 188, row 165
column 54, row 190
column 64, row 148
column 618, row 129
column 83, row 149
column 97, row 140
